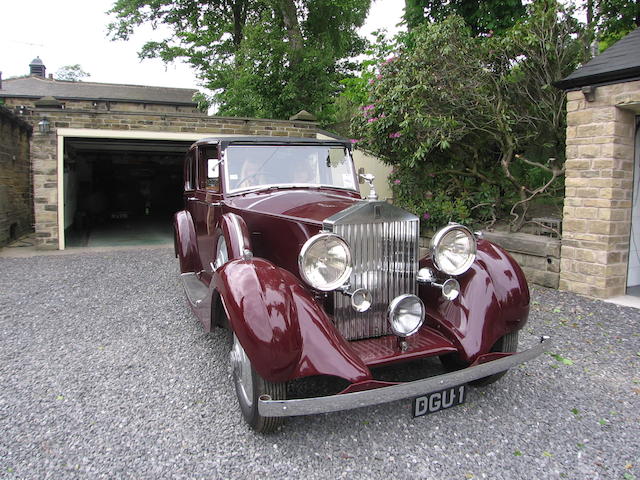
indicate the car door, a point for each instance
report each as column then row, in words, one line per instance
column 209, row 196
column 190, row 184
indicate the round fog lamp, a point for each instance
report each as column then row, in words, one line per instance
column 361, row 300
column 406, row 315
column 451, row 289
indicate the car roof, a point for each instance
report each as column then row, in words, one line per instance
column 275, row 140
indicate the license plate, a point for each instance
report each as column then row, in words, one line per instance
column 434, row 402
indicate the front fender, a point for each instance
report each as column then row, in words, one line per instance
column 236, row 235
column 283, row 330
column 493, row 301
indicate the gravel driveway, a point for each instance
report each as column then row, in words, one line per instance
column 104, row 373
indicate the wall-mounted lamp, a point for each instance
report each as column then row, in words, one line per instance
column 589, row 93
column 44, row 126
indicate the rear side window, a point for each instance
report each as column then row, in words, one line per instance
column 190, row 171
column 209, row 168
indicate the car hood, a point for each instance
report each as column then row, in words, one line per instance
column 306, row 205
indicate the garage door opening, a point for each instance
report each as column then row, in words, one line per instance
column 121, row 191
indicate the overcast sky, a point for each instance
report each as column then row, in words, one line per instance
column 67, row 32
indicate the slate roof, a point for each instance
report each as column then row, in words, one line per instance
column 37, row 87
column 618, row 63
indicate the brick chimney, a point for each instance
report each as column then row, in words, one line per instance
column 37, row 68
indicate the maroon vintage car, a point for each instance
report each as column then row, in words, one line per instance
column 276, row 244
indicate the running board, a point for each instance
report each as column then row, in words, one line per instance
column 196, row 290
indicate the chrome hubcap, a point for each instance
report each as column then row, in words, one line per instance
column 241, row 369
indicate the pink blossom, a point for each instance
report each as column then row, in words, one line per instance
column 354, row 140
column 397, row 182
column 389, row 60
column 368, row 107
column 379, row 77
column 395, row 135
column 432, row 175
column 382, row 115
column 373, row 119
column 426, row 216
column 371, row 81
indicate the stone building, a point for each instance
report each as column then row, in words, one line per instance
column 107, row 154
column 16, row 202
column 601, row 220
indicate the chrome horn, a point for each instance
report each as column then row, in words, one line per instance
column 450, row 287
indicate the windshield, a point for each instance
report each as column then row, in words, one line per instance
column 251, row 167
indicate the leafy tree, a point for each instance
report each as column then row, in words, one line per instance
column 262, row 58
column 472, row 124
column 612, row 19
column 482, row 16
column 72, row 73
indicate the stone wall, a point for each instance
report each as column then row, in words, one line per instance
column 44, row 146
column 539, row 256
column 105, row 106
column 16, row 209
column 599, row 184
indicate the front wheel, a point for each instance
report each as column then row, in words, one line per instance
column 505, row 344
column 250, row 386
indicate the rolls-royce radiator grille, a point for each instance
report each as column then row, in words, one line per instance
column 385, row 260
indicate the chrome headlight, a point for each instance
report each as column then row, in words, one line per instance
column 406, row 315
column 453, row 249
column 325, row 261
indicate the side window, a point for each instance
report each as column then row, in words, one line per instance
column 209, row 166
column 190, row 171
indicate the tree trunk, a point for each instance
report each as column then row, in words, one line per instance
column 291, row 24
column 239, row 10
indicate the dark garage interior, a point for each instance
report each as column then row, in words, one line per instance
column 120, row 191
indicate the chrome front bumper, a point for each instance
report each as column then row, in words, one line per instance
column 347, row 401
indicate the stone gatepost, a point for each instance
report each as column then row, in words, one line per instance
column 599, row 188
column 45, row 187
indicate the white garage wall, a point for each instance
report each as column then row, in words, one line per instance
column 633, row 278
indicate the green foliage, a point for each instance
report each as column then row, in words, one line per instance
column 609, row 20
column 473, row 119
column 71, row 73
column 561, row 359
column 204, row 103
column 434, row 206
column 614, row 19
column 261, row 58
column 482, row 16
column 355, row 88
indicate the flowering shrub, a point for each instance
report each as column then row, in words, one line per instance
column 471, row 123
